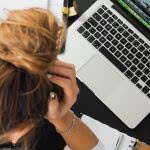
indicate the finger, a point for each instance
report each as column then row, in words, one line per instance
column 64, row 83
column 65, row 64
column 70, row 90
column 53, row 107
column 64, row 72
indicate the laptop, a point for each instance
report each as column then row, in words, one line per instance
column 112, row 57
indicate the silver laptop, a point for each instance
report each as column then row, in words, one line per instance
column 113, row 59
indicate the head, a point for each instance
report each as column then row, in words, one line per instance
column 30, row 41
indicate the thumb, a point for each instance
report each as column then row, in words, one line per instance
column 53, row 106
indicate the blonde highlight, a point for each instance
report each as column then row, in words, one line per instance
column 30, row 41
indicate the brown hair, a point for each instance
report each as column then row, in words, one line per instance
column 30, row 41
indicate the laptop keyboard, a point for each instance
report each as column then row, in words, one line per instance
column 120, row 45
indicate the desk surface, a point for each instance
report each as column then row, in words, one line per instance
column 89, row 104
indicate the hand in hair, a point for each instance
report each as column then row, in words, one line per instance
column 65, row 77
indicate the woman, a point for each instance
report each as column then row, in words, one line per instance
column 30, row 41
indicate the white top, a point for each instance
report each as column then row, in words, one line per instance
column 99, row 146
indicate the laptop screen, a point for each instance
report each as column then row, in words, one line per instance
column 140, row 9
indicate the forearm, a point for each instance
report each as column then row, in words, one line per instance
column 80, row 137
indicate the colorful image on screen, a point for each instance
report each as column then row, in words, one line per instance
column 139, row 9
column 145, row 4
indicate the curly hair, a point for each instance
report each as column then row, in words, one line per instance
column 30, row 41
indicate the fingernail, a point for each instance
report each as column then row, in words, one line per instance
column 52, row 95
column 49, row 76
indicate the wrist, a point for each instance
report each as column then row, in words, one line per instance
column 64, row 122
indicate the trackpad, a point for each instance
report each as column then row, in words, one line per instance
column 99, row 77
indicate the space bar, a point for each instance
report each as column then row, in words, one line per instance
column 112, row 59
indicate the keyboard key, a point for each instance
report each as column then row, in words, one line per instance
column 130, row 31
column 107, row 44
column 120, row 47
column 129, row 74
column 141, row 66
column 145, row 90
column 113, row 31
column 120, row 21
column 118, row 36
column 139, row 86
column 108, row 27
column 102, row 40
column 104, row 7
column 86, row 25
column 100, row 11
column 118, row 54
column 130, row 56
column 86, row 34
column 110, row 37
column 141, row 48
column 146, row 45
column 134, row 50
column 139, row 55
column 112, row 59
column 128, row 46
column 131, row 38
column 115, row 42
column 148, row 83
column 146, row 71
column 92, row 30
column 91, row 39
column 135, row 61
column 109, row 12
column 104, row 32
column 135, row 35
column 136, row 43
column 114, row 16
column 125, row 51
column 148, row 95
column 128, row 63
column 99, row 28
column 92, row 22
column 81, row 29
column 146, row 53
column 141, row 41
column 103, row 22
column 115, row 25
column 133, row 68
column 120, row 29
column 144, row 78
column 125, row 26
column 138, row 73
column 123, row 59
column 125, row 34
column 123, row 41
column 105, row 15
column 112, row 49
column 97, row 35
column 135, row 80
column 97, row 17
column 110, row 20
column 144, row 60
column 96, row 44
column 148, row 65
